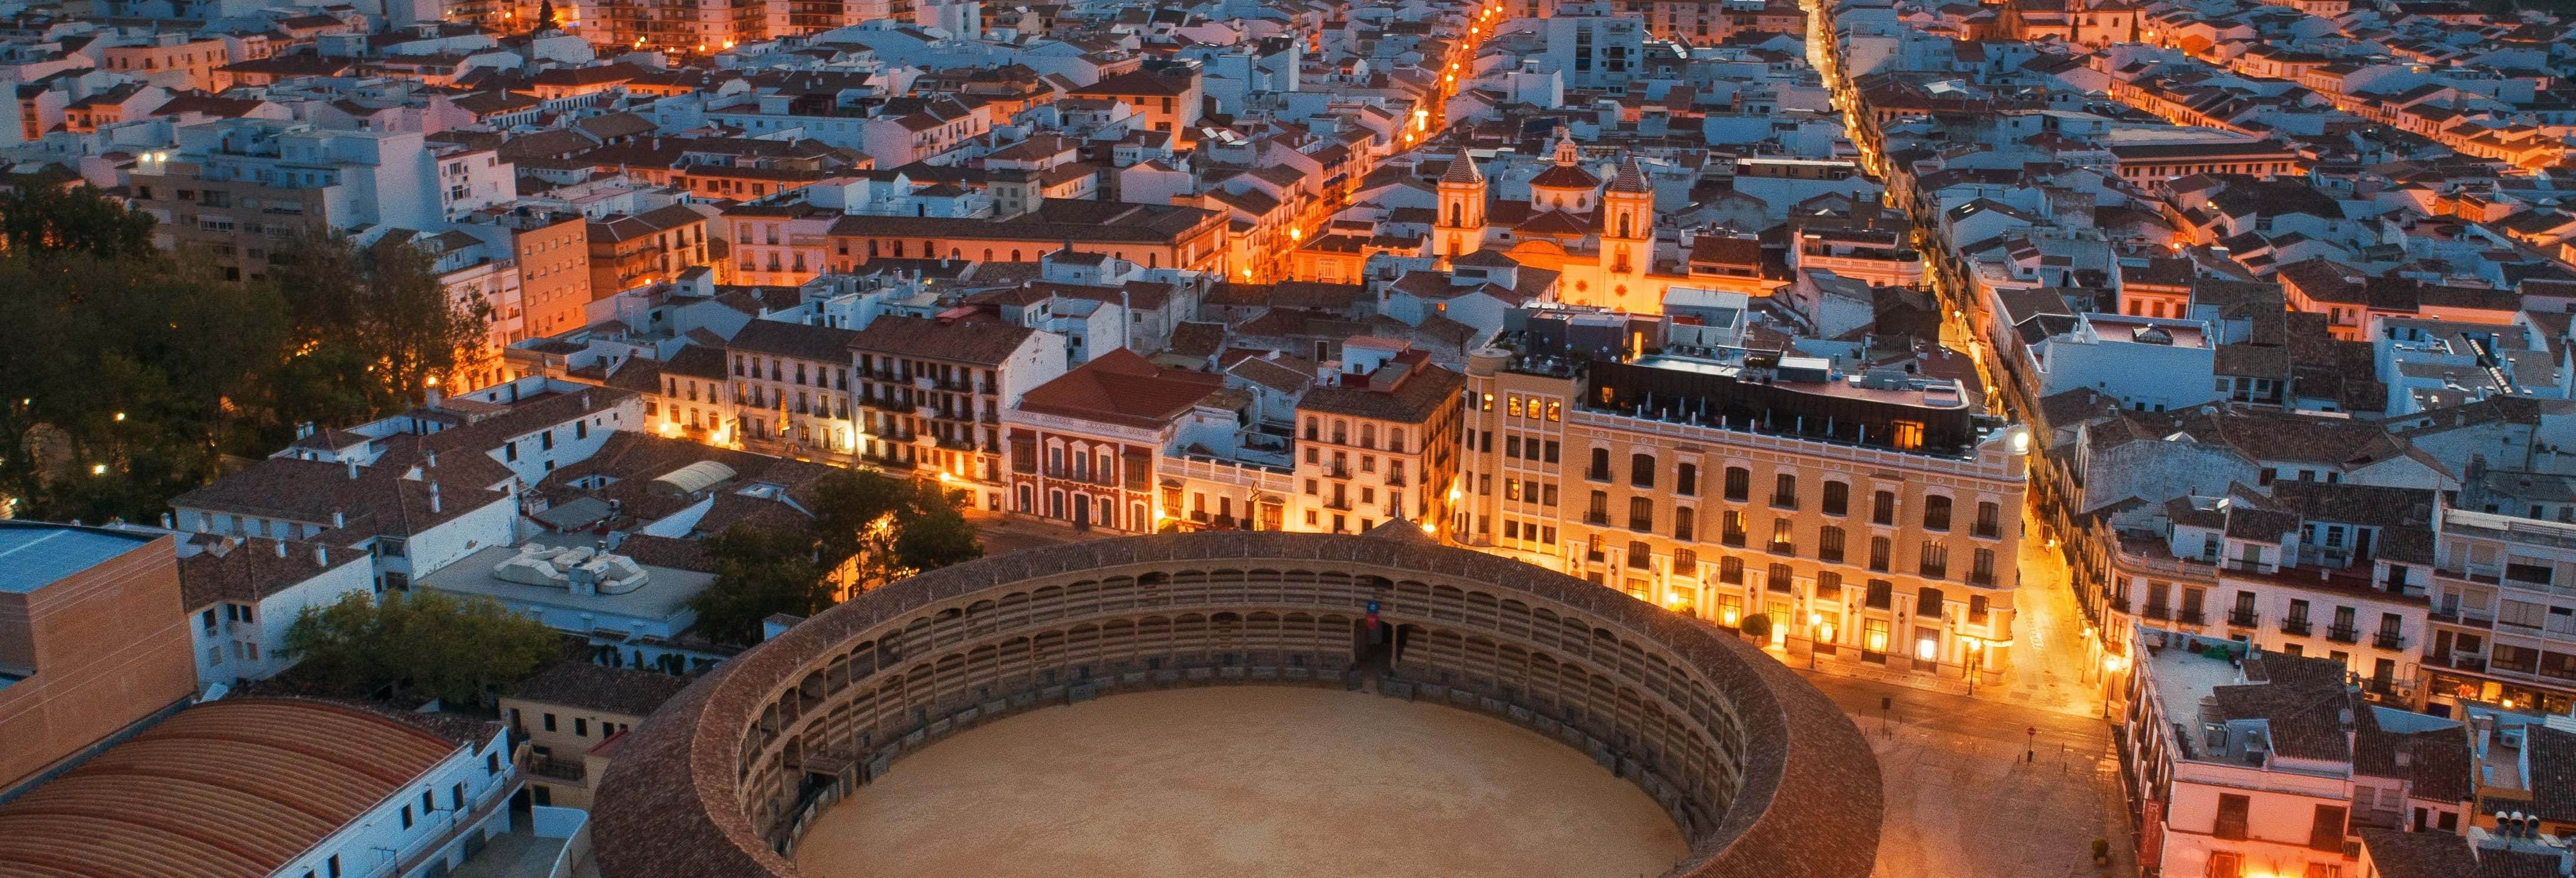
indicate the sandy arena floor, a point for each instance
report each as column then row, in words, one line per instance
column 1248, row 781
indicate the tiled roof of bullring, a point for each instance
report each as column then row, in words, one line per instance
column 1808, row 806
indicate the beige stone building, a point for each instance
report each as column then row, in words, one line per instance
column 568, row 718
column 1378, row 443
column 1872, row 518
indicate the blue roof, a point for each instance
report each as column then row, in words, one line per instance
column 35, row 554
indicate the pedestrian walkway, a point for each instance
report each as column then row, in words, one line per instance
column 2054, row 660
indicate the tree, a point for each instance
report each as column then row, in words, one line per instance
column 457, row 650
column 1757, row 626
column 937, row 534
column 759, row 573
column 868, row 531
column 123, row 381
column 52, row 213
column 545, row 16
column 371, row 327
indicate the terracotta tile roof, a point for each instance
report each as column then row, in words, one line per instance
column 228, row 789
column 246, row 570
column 978, row 341
column 1122, row 388
column 581, row 684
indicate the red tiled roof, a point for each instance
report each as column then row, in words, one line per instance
column 1122, row 388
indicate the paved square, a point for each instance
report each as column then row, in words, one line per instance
column 1963, row 798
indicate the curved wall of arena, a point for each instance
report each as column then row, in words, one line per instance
column 1760, row 771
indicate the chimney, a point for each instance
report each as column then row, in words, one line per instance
column 433, row 459
column 281, row 547
column 433, row 497
column 338, row 520
column 321, row 555
column 353, row 470
column 165, row 522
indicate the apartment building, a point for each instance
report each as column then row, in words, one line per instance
column 1086, row 447
column 2243, row 763
column 2324, row 570
column 929, row 393
column 1378, row 441
column 239, row 188
column 170, row 60
column 553, row 250
column 630, row 251
column 565, row 718
column 1151, row 235
column 1168, row 100
column 791, row 387
column 91, row 640
column 242, row 594
column 2504, row 596
column 1888, row 503
column 677, row 27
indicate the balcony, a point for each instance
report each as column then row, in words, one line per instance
column 2343, row 634
column 2157, row 612
column 2244, row 618
column 2464, row 661
column 2118, row 604
column 2388, row 640
column 2467, row 618
column 1600, row 518
column 549, row 767
column 2190, row 617
column 2298, row 627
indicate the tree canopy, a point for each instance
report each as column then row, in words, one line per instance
column 868, row 530
column 457, row 650
column 128, row 374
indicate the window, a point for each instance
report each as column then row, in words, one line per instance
column 2227, row 864
column 1739, row 483
column 1731, row 528
column 1640, row 555
column 1882, row 508
column 1936, row 560
column 1784, row 537
column 1981, row 569
column 1641, row 470
column 2326, row 830
column 1600, row 469
column 1686, row 479
column 1641, row 514
column 1837, row 498
column 1989, row 520
column 1784, row 492
column 550, row 722
column 1730, row 570
column 1829, row 585
column 1683, row 521
column 581, row 727
column 332, row 866
column 1882, row 595
column 2232, row 809
column 1685, row 562
column 1936, row 512
column 1879, row 548
column 1598, row 512
column 406, row 816
column 1780, row 579
column 1829, row 544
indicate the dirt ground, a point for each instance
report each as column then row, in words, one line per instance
column 1250, row 781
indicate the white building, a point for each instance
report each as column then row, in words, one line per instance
column 243, row 594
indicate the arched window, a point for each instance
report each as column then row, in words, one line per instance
column 1641, row 470
column 1600, row 471
column 1623, row 225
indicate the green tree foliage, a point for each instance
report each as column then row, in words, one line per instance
column 127, row 374
column 1757, row 626
column 759, row 573
column 371, row 327
column 868, row 530
column 457, row 650
column 545, row 15
column 54, row 213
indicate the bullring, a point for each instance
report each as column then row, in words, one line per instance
column 1761, row 773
